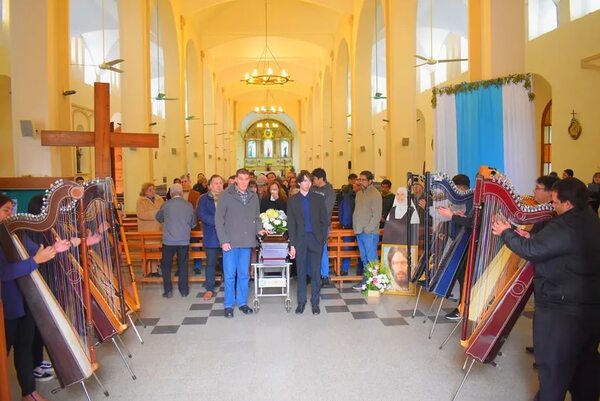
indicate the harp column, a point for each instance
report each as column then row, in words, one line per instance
column 400, row 28
column 39, row 71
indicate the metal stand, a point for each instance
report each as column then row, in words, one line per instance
column 124, row 360
column 137, row 333
column 464, row 377
column 429, row 310
column 104, row 390
column 437, row 315
column 85, row 392
column 124, row 346
column 452, row 332
column 417, row 302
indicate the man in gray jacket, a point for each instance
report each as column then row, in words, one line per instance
column 323, row 188
column 237, row 222
column 178, row 218
column 365, row 220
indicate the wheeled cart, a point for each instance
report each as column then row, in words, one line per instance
column 272, row 271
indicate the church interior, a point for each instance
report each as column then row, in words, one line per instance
column 280, row 85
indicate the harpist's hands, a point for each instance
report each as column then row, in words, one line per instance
column 44, row 254
column 61, row 245
column 292, row 252
column 499, row 226
column 445, row 212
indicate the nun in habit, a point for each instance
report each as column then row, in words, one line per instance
column 395, row 227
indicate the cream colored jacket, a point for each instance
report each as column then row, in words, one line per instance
column 146, row 212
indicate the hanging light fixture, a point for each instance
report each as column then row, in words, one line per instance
column 265, row 108
column 264, row 74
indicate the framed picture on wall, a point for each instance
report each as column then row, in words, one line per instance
column 394, row 258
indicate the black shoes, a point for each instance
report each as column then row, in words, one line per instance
column 344, row 273
column 454, row 315
column 300, row 309
column 184, row 294
column 167, row 294
column 529, row 350
column 228, row 312
column 315, row 309
column 325, row 283
column 246, row 310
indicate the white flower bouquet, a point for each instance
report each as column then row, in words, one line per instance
column 274, row 221
column 376, row 278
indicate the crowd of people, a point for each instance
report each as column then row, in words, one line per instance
column 566, row 251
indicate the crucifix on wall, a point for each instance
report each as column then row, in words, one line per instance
column 102, row 139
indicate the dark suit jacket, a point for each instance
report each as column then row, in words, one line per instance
column 318, row 218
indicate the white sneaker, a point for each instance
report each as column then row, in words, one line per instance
column 358, row 287
column 47, row 366
column 41, row 375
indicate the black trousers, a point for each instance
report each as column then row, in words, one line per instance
column 19, row 335
column 308, row 259
column 183, row 253
column 566, row 354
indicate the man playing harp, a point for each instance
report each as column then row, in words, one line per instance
column 566, row 327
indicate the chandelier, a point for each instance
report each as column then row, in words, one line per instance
column 264, row 74
column 266, row 108
column 272, row 124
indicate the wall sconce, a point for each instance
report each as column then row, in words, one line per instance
column 341, row 153
column 69, row 92
column 210, row 156
column 195, row 154
column 326, row 154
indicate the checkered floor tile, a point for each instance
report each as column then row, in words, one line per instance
column 334, row 301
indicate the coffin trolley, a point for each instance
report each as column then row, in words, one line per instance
column 272, row 271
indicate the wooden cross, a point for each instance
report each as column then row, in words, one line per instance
column 102, row 139
column 573, row 113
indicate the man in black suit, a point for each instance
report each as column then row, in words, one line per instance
column 307, row 230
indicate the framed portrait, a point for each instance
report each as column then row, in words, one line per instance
column 395, row 258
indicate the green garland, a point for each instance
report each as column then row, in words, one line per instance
column 524, row 79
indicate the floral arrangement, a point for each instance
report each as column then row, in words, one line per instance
column 274, row 221
column 376, row 277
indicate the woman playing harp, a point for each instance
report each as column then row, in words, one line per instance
column 19, row 322
column 65, row 324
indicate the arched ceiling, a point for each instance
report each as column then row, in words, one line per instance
column 301, row 35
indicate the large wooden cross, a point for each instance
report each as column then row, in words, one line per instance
column 102, row 139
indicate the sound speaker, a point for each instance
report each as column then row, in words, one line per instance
column 363, row 148
column 349, row 164
column 27, row 128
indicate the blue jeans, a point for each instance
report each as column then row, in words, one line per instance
column 212, row 254
column 346, row 261
column 197, row 262
column 367, row 246
column 168, row 251
column 236, row 261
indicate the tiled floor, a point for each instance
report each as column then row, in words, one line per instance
column 356, row 349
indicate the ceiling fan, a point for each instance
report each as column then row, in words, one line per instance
column 110, row 65
column 430, row 60
column 162, row 96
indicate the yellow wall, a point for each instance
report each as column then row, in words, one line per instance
column 556, row 56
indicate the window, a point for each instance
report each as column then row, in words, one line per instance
column 547, row 139
column 579, row 8
column 378, row 58
column 543, row 17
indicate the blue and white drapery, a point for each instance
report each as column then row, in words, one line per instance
column 493, row 126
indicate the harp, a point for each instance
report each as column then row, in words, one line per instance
column 67, row 333
column 445, row 243
column 498, row 283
